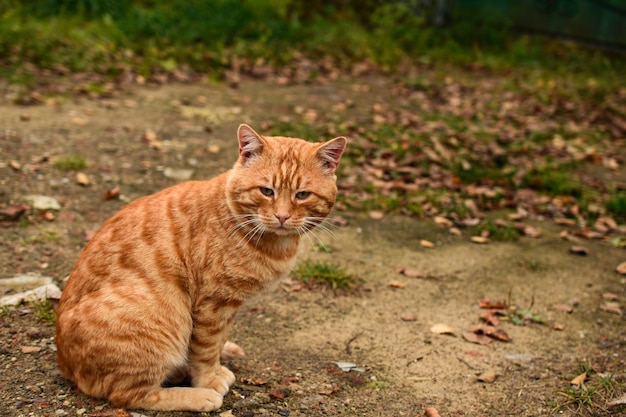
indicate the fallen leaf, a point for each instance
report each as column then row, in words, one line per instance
column 442, row 221
column 491, row 318
column 15, row 165
column 610, row 296
column 532, row 231
column 563, row 307
column 14, row 211
column 77, row 121
column 413, row 273
column 427, row 244
column 618, row 401
column 213, row 149
column 431, row 412
column 455, row 231
column 82, row 178
column 278, row 395
column 621, row 268
column 611, row 307
column 30, row 349
column 112, row 193
column 485, row 303
column 480, row 339
column 376, row 215
column 580, row 379
column 488, row 377
column 474, row 354
column 442, row 328
column 255, row 381
column 498, row 334
column 558, row 326
column 408, row 317
column 396, row 284
column 149, row 135
column 479, row 239
column 579, row 250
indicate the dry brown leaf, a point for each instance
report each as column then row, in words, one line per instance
column 491, row 318
column 565, row 221
column 376, row 215
column 488, row 377
column 112, row 193
column 15, row 165
column 77, row 121
column 441, row 328
column 563, row 307
column 579, row 250
column 621, row 268
column 30, row 349
column 486, row 303
column 558, row 326
column 82, row 178
column 14, row 211
column 413, row 273
column 396, row 284
column 254, row 381
column 498, row 334
column 213, row 149
column 479, row 239
column 431, row 412
column 611, row 307
column 580, row 379
column 442, row 221
column 480, row 339
column 427, row 243
column 532, row 231
column 408, row 317
column 610, row 296
column 455, row 231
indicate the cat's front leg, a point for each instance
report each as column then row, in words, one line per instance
column 207, row 342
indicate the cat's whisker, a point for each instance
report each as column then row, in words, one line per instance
column 311, row 224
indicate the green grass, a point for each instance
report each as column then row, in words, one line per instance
column 616, row 206
column 205, row 35
column 71, row 163
column 504, row 233
column 324, row 273
column 44, row 311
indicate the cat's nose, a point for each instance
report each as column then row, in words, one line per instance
column 282, row 218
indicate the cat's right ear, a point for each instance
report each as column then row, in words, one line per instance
column 250, row 143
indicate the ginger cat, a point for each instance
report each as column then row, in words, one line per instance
column 153, row 295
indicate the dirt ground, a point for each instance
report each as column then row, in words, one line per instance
column 293, row 335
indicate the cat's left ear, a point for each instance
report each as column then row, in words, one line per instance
column 250, row 143
column 330, row 152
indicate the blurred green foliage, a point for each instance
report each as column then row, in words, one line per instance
column 151, row 35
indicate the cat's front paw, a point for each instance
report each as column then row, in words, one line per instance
column 220, row 381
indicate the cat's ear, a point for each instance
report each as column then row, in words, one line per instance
column 250, row 143
column 330, row 152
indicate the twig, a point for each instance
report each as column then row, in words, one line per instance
column 352, row 339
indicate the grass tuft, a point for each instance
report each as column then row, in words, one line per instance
column 71, row 163
column 324, row 273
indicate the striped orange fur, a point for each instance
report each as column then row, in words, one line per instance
column 153, row 295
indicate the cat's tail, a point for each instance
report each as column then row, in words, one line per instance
column 232, row 351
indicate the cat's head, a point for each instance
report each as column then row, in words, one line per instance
column 284, row 186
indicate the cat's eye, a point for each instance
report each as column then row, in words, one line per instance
column 267, row 192
column 303, row 195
